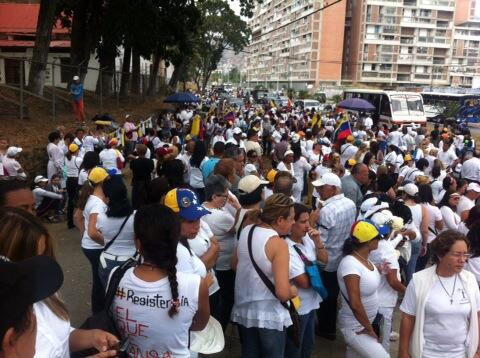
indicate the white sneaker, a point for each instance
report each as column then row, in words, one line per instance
column 394, row 336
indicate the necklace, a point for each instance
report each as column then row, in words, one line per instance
column 453, row 291
column 149, row 265
column 363, row 259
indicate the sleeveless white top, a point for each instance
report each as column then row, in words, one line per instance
column 140, row 310
column 255, row 305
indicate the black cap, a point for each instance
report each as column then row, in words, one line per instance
column 24, row 283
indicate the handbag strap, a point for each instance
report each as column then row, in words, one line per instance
column 115, row 281
column 118, row 233
column 305, row 260
column 260, row 273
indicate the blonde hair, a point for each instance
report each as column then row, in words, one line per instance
column 276, row 206
column 20, row 235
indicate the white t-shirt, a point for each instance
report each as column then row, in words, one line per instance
column 188, row 262
column 309, row 297
column 73, row 166
column 199, row 246
column 12, row 166
column 220, row 222
column 82, row 177
column 445, row 328
column 386, row 253
column 89, row 143
column 282, row 167
column 124, row 244
column 196, row 175
column 473, row 265
column 447, row 158
column 434, row 215
column 464, row 204
column 369, row 283
column 94, row 205
column 53, row 333
column 450, row 218
column 108, row 157
column 140, row 310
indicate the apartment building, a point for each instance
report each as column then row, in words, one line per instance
column 299, row 54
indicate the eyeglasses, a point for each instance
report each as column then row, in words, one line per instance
column 459, row 255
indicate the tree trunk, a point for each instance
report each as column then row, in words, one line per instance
column 105, row 76
column 135, row 86
column 45, row 22
column 125, row 71
column 84, row 24
column 177, row 74
column 153, row 74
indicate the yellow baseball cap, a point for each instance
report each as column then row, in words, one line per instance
column 407, row 158
column 72, row 148
column 364, row 231
column 97, row 175
column 271, row 175
column 350, row 138
column 185, row 203
column 351, row 162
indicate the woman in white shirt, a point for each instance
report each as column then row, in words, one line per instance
column 359, row 279
column 434, row 223
column 111, row 158
column 199, row 157
column 73, row 163
column 176, row 302
column 115, row 224
column 222, row 223
column 441, row 305
column 287, row 163
column 92, row 240
column 261, row 318
column 23, row 236
column 448, row 208
column 55, row 155
column 304, row 243
column 300, row 168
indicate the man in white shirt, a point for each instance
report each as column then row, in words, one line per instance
column 471, row 168
column 395, row 137
column 348, row 150
column 467, row 201
column 447, row 156
column 368, row 122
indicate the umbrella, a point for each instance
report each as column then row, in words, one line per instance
column 181, row 97
column 356, row 104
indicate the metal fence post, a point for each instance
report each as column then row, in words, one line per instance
column 21, row 88
column 115, row 82
column 53, row 90
column 101, row 90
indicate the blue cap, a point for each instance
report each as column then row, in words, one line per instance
column 185, row 203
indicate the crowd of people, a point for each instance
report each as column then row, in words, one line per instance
column 263, row 218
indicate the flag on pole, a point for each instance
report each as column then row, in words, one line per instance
column 289, row 104
column 343, row 129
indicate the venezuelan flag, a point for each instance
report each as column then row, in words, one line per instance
column 343, row 129
column 272, row 104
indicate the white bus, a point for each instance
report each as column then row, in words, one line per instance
column 392, row 107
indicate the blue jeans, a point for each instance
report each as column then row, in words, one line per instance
column 412, row 264
column 104, row 272
column 307, row 338
column 98, row 294
column 262, row 342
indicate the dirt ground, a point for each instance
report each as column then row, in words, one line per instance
column 33, row 131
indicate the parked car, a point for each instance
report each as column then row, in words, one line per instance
column 309, row 104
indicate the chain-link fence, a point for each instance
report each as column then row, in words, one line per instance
column 103, row 88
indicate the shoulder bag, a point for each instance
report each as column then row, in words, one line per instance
column 103, row 320
column 107, row 246
column 313, row 273
column 294, row 330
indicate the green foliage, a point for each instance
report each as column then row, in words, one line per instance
column 303, row 94
column 451, row 110
column 336, row 98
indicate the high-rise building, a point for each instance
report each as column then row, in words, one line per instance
column 384, row 43
column 398, row 42
column 285, row 53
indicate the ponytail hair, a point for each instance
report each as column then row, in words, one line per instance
column 158, row 229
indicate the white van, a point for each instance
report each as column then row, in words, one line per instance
column 309, row 104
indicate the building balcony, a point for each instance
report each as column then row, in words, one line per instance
column 403, row 78
column 405, row 58
column 416, row 22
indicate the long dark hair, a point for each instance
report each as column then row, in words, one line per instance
column 199, row 153
column 157, row 228
column 445, row 200
column 118, row 204
column 474, row 238
column 90, row 160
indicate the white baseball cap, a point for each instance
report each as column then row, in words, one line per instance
column 474, row 187
column 250, row 168
column 76, row 78
column 248, row 184
column 13, row 151
column 288, row 152
column 328, row 179
column 40, row 179
column 410, row 189
column 237, row 130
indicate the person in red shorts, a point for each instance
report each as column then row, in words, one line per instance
column 76, row 90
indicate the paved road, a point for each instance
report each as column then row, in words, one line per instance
column 76, row 293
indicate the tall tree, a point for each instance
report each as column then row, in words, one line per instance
column 221, row 29
column 45, row 23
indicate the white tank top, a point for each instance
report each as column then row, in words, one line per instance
column 256, row 306
column 140, row 310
